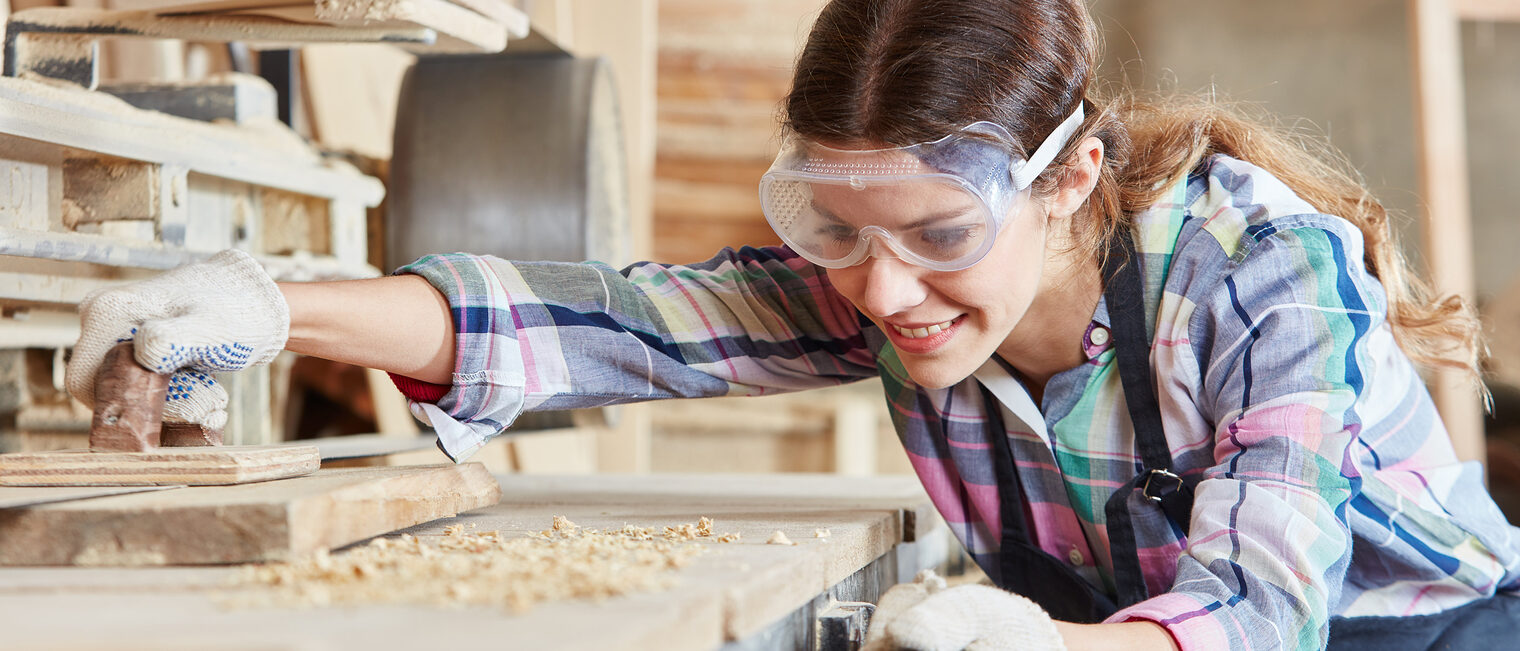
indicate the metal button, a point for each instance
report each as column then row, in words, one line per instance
column 1075, row 556
column 1099, row 336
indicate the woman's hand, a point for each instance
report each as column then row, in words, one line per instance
column 925, row 616
column 226, row 314
column 223, row 314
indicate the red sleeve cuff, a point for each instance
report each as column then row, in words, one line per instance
column 418, row 390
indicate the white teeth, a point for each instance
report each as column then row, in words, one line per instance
column 920, row 333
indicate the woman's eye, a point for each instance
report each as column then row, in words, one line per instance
column 838, row 232
column 950, row 238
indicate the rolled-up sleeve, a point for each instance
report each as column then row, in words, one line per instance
column 549, row 335
column 1284, row 342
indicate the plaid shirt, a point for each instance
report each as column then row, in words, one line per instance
column 1325, row 481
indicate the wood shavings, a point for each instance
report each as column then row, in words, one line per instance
column 779, row 538
column 464, row 568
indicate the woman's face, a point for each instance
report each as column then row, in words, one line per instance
column 943, row 324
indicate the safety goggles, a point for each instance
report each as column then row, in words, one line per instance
column 935, row 204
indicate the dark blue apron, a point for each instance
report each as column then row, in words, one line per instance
column 1027, row 570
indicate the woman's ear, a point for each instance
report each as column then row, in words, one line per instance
column 1079, row 178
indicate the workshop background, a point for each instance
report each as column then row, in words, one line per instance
column 697, row 85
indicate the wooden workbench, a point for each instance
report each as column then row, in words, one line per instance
column 746, row 595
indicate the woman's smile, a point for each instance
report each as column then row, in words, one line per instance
column 921, row 339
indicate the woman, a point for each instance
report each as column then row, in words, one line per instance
column 1152, row 363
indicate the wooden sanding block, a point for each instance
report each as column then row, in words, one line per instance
column 129, row 409
column 129, row 404
column 130, row 445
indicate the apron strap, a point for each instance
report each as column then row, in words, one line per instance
column 1125, row 295
column 1023, row 567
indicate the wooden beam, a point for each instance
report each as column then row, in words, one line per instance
column 1441, row 164
column 855, row 436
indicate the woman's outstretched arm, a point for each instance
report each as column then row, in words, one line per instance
column 398, row 324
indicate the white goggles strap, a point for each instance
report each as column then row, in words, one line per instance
column 1026, row 172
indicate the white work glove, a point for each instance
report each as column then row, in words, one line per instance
column 223, row 314
column 925, row 616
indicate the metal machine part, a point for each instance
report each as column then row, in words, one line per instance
column 843, row 626
column 518, row 156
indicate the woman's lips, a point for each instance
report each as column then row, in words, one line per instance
column 922, row 338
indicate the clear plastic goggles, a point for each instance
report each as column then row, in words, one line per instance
column 939, row 204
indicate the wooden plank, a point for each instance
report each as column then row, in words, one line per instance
column 38, row 328
column 358, row 446
column 191, row 466
column 24, row 193
column 352, row 91
column 268, row 521
column 268, row 156
column 1441, row 134
column 99, row 250
column 458, row 29
column 502, row 12
column 1492, row 10
column 393, row 416
column 570, row 451
column 855, row 436
column 17, row 496
column 625, row 31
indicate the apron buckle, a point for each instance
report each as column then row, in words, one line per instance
column 1166, row 476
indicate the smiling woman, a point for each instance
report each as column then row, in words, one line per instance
column 1155, row 363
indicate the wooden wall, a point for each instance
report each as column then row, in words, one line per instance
column 723, row 67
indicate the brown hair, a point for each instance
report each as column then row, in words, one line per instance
column 897, row 72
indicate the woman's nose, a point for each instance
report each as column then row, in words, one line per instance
column 891, row 285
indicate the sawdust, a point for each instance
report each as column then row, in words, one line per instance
column 379, row 11
column 779, row 538
column 463, row 568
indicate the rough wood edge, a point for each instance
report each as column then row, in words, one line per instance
column 202, row 466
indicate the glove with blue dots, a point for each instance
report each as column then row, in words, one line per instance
column 224, row 314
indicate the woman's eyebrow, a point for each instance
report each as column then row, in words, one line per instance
column 951, row 213
column 824, row 212
column 939, row 216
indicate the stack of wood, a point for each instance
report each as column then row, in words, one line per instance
column 460, row 25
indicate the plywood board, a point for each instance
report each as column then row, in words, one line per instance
column 268, row 521
column 191, row 466
column 18, row 496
